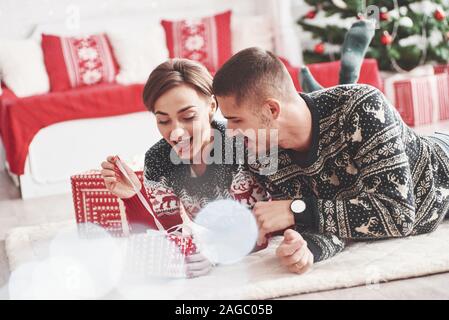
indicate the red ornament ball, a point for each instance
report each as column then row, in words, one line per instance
column 439, row 14
column 319, row 48
column 311, row 14
column 384, row 16
column 386, row 38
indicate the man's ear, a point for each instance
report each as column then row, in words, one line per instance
column 273, row 107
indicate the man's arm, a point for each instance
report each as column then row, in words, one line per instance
column 276, row 215
column 323, row 246
column 298, row 252
column 382, row 203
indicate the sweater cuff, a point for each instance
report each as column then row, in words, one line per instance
column 134, row 201
column 308, row 218
column 316, row 250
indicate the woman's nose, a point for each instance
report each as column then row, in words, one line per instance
column 177, row 134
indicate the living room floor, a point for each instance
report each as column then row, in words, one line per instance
column 16, row 212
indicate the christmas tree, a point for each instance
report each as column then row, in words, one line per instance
column 408, row 33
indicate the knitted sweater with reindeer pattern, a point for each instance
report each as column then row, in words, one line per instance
column 366, row 176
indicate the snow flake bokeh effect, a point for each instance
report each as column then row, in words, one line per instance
column 229, row 231
column 76, row 268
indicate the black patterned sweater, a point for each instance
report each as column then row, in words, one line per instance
column 366, row 176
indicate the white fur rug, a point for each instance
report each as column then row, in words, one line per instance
column 259, row 276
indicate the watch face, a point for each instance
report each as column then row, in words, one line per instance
column 298, row 206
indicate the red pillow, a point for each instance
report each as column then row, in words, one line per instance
column 206, row 40
column 78, row 61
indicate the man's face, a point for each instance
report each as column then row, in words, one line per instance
column 250, row 121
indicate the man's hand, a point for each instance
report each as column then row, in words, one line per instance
column 272, row 216
column 293, row 253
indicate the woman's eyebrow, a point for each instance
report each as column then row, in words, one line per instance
column 180, row 111
column 186, row 108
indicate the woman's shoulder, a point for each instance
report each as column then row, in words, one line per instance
column 160, row 148
column 157, row 160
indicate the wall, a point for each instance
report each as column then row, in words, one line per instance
column 18, row 17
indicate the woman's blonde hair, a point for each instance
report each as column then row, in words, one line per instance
column 173, row 73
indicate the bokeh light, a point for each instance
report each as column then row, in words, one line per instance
column 230, row 231
column 77, row 267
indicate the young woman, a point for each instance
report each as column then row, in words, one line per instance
column 178, row 168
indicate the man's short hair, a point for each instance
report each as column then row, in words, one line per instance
column 253, row 73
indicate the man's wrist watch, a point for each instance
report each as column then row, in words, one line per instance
column 297, row 206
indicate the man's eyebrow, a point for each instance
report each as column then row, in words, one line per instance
column 182, row 110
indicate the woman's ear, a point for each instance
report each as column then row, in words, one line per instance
column 213, row 107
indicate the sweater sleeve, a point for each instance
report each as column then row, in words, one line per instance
column 382, row 204
column 323, row 246
column 138, row 218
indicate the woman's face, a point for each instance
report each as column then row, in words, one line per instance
column 183, row 119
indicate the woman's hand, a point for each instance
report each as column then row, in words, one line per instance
column 294, row 254
column 197, row 265
column 115, row 182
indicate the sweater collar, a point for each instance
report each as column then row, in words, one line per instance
column 305, row 159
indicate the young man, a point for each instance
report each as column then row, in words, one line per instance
column 344, row 152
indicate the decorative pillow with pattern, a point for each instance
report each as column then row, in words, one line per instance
column 206, row 40
column 78, row 61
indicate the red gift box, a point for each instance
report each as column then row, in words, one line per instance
column 423, row 100
column 95, row 204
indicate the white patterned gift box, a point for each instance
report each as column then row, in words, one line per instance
column 154, row 254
